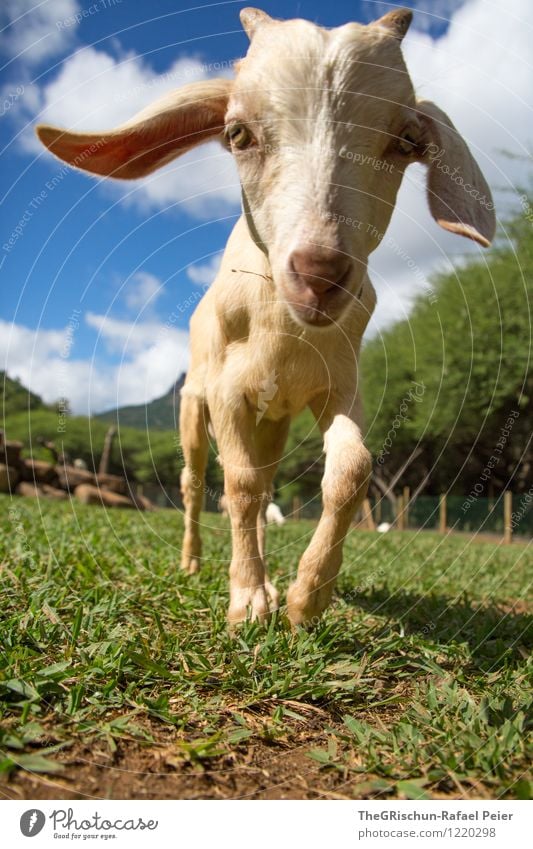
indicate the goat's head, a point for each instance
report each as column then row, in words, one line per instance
column 322, row 124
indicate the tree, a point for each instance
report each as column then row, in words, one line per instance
column 470, row 349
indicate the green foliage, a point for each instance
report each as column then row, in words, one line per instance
column 302, row 466
column 16, row 397
column 470, row 348
column 446, row 732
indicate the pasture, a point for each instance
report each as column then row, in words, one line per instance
column 119, row 678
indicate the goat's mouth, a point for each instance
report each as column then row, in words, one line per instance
column 317, row 309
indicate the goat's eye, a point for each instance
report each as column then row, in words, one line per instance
column 239, row 135
column 407, row 142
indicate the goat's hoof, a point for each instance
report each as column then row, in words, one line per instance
column 255, row 604
column 190, row 565
column 273, row 596
column 304, row 606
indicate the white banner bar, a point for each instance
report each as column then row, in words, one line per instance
column 262, row 824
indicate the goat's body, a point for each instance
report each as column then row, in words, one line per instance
column 253, row 368
column 243, row 335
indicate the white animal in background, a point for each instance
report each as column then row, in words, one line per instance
column 274, row 515
column 383, row 528
column 322, row 125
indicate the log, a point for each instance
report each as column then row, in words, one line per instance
column 29, row 490
column 142, row 502
column 70, row 477
column 113, row 483
column 54, row 492
column 38, row 471
column 9, row 476
column 10, row 453
column 89, row 494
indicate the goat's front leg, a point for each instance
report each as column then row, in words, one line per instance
column 344, row 485
column 251, row 596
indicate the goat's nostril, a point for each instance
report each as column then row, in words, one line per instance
column 321, row 269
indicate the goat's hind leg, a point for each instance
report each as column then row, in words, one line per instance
column 271, row 439
column 194, row 419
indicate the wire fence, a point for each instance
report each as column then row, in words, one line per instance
column 462, row 513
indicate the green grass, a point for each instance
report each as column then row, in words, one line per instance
column 421, row 669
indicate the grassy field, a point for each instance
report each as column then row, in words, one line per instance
column 118, row 677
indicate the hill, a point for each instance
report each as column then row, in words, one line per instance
column 17, row 398
column 160, row 414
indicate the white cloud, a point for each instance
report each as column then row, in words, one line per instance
column 35, row 30
column 152, row 357
column 204, row 273
column 479, row 74
column 142, row 291
column 96, row 91
column 124, row 337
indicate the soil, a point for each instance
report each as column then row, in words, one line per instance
column 256, row 769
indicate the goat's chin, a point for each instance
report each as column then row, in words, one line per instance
column 319, row 313
column 313, row 318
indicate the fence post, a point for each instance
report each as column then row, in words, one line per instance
column 296, row 507
column 406, row 497
column 400, row 516
column 507, row 516
column 442, row 514
column 368, row 519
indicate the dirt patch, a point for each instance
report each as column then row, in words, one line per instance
column 256, row 769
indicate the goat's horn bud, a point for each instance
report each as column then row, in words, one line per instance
column 252, row 18
column 397, row 22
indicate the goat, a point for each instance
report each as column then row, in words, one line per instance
column 309, row 114
column 273, row 514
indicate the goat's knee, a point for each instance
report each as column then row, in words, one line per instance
column 346, row 480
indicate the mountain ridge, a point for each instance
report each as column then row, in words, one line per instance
column 160, row 414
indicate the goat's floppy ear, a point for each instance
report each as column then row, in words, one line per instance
column 169, row 127
column 458, row 195
column 251, row 19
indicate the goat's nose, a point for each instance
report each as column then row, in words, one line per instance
column 319, row 268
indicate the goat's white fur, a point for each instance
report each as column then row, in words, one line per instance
column 306, row 95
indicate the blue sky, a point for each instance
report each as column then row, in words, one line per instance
column 99, row 279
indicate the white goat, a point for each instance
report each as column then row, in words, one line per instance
column 307, row 117
column 273, row 514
